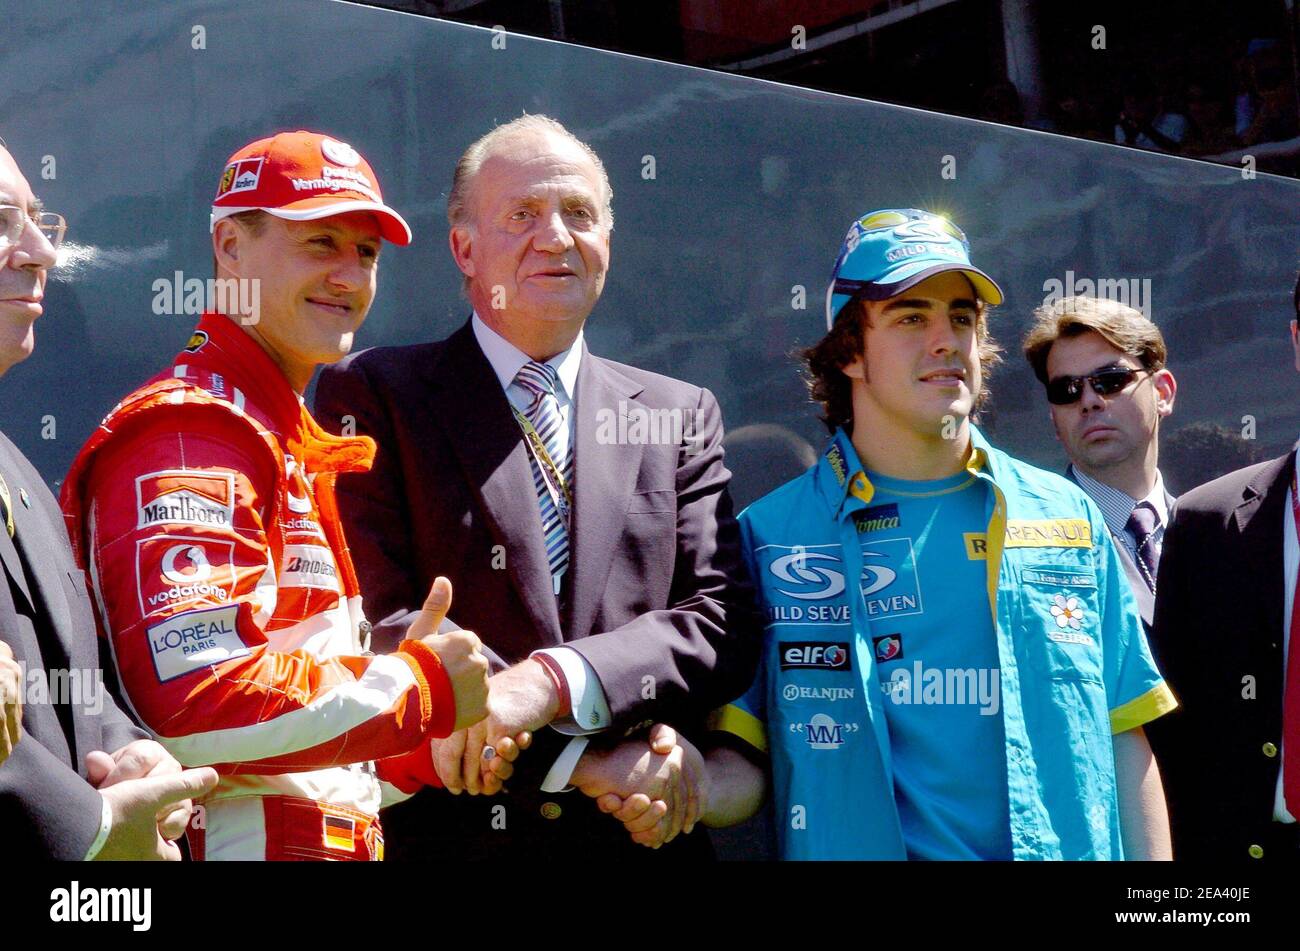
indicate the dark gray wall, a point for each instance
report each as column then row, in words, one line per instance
column 755, row 184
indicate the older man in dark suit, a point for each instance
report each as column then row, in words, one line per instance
column 578, row 505
column 62, row 795
column 1226, row 639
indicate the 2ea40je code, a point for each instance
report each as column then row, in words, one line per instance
column 1238, row 893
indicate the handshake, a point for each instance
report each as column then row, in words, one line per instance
column 657, row 787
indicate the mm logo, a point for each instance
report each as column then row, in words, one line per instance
column 823, row 732
column 805, row 655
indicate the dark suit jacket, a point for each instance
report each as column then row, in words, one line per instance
column 1145, row 599
column 656, row 597
column 1218, row 641
column 46, row 806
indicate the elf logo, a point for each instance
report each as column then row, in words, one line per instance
column 807, row 655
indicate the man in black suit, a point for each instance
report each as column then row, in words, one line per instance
column 61, row 794
column 1103, row 365
column 1226, row 641
column 578, row 505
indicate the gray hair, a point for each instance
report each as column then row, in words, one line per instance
column 478, row 152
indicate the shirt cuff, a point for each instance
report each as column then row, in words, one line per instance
column 105, row 827
column 557, row 780
column 589, row 710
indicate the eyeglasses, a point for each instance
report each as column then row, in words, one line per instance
column 1107, row 381
column 14, row 220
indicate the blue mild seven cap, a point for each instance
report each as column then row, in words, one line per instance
column 888, row 251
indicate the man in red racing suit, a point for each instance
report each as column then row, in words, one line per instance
column 203, row 509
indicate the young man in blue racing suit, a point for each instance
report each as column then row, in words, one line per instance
column 954, row 666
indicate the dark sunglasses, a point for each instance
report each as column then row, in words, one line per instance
column 1065, row 390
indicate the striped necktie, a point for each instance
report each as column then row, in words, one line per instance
column 540, row 380
column 1142, row 524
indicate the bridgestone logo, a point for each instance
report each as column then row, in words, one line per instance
column 313, row 566
column 309, row 566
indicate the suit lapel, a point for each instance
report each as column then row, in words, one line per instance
column 604, row 476
column 469, row 404
column 37, row 556
column 1259, row 524
column 8, row 546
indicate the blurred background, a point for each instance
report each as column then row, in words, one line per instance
column 1209, row 77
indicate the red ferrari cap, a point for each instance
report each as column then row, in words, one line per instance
column 303, row 176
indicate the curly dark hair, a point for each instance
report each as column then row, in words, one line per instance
column 824, row 362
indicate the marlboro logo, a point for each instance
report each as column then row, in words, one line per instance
column 181, row 497
column 241, row 176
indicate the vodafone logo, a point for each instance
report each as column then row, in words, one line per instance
column 172, row 569
column 186, row 564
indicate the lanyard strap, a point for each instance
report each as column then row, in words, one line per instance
column 556, row 484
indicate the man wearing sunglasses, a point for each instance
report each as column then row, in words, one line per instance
column 1103, row 364
column 81, row 781
column 1227, row 636
column 915, row 565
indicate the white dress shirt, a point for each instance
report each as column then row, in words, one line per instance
column 1117, row 506
column 589, row 708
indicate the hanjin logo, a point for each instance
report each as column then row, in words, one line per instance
column 184, row 497
column 793, row 692
column 814, row 656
